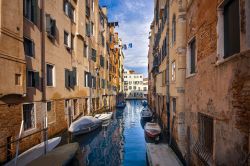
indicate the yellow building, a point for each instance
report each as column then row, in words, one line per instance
column 54, row 58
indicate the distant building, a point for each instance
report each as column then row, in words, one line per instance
column 135, row 85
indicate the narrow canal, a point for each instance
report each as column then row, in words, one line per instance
column 121, row 142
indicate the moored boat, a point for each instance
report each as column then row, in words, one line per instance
column 104, row 116
column 152, row 130
column 34, row 152
column 146, row 114
column 84, row 125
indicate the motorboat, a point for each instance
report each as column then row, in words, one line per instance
column 146, row 114
column 104, row 116
column 84, row 125
column 121, row 104
column 34, row 152
column 152, row 130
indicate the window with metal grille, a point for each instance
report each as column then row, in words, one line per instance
column 231, row 28
column 75, row 107
column 28, row 116
column 204, row 145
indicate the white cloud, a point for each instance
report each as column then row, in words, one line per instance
column 134, row 21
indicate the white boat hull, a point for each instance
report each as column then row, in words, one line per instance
column 104, row 116
column 34, row 152
column 84, row 125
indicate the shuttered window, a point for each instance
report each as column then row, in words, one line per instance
column 231, row 28
column 93, row 82
column 32, row 79
column 50, row 27
column 29, row 47
column 31, row 10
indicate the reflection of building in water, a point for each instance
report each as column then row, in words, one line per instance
column 106, row 147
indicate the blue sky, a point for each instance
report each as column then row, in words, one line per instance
column 134, row 17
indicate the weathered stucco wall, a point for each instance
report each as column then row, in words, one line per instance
column 219, row 90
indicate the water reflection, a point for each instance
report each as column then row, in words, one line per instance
column 121, row 142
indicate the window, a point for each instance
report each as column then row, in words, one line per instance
column 49, row 106
column 174, row 104
column 88, row 29
column 29, row 47
column 75, row 107
column 28, row 116
column 173, row 73
column 93, row 57
column 191, row 58
column 103, row 84
column 88, row 79
column 31, row 10
column 32, row 79
column 134, row 87
column 205, row 138
column 92, row 29
column 70, row 78
column 69, row 10
column 86, row 50
column 50, row 75
column 66, row 39
column 174, row 29
column 144, row 88
column 18, row 79
column 231, row 28
column 102, row 61
column 130, row 87
column 50, row 27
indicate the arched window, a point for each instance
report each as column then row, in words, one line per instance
column 173, row 29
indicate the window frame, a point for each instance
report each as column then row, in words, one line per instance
column 188, row 59
column 221, row 33
column 35, row 125
column 31, row 50
column 53, row 75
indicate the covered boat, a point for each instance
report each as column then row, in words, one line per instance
column 34, row 152
column 104, row 116
column 146, row 114
column 84, row 125
column 152, row 130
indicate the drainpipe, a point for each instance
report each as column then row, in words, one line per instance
column 43, row 71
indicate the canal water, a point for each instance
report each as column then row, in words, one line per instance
column 121, row 142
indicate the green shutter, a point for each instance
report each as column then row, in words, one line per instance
column 36, row 9
column 74, row 76
column 66, row 78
